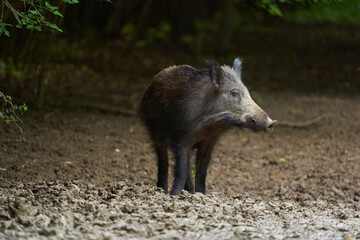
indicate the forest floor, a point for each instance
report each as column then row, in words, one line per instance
column 86, row 174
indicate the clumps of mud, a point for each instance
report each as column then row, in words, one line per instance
column 78, row 210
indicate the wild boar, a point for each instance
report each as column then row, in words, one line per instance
column 185, row 109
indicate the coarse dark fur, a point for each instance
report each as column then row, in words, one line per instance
column 185, row 109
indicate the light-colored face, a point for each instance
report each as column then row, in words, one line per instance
column 235, row 97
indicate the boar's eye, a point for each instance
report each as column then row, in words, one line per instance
column 236, row 94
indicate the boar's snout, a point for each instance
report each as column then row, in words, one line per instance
column 270, row 126
column 266, row 125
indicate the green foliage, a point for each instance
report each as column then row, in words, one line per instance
column 273, row 8
column 8, row 110
column 73, row 1
column 128, row 32
column 345, row 12
column 3, row 29
column 161, row 33
column 39, row 14
column 10, row 70
column 33, row 15
column 153, row 35
column 205, row 32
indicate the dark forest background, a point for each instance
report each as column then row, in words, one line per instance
column 109, row 51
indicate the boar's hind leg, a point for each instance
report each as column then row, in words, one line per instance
column 163, row 165
column 189, row 186
column 203, row 157
column 182, row 166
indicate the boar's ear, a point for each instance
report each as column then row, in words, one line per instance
column 216, row 74
column 237, row 65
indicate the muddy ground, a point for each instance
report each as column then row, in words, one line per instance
column 84, row 174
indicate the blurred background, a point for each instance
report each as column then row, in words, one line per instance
column 71, row 54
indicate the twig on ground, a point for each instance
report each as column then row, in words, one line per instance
column 304, row 124
column 107, row 108
column 12, row 139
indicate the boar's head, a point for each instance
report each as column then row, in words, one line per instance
column 232, row 101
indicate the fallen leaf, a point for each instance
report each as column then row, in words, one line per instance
column 244, row 139
column 281, row 160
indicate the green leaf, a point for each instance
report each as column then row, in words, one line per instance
column 6, row 32
column 71, row 1
column 281, row 160
column 193, row 170
column 274, row 10
column 23, row 108
column 53, row 26
column 34, row 12
column 58, row 13
column 51, row 8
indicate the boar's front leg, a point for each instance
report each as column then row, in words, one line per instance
column 189, row 186
column 163, row 165
column 203, row 157
column 182, row 166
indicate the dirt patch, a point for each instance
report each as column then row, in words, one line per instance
column 75, row 210
column 92, row 175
